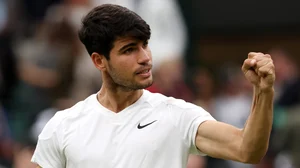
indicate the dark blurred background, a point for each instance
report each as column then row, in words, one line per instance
column 198, row 48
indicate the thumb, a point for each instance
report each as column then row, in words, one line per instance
column 248, row 64
column 252, row 76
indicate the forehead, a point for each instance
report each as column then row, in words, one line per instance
column 121, row 41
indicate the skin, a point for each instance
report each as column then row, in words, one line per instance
column 250, row 144
column 122, row 82
column 122, row 86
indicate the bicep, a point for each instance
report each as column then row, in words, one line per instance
column 219, row 140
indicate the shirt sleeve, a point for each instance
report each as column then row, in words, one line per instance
column 189, row 117
column 48, row 152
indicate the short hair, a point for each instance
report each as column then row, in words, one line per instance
column 105, row 23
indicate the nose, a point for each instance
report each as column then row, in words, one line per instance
column 144, row 56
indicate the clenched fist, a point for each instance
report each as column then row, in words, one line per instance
column 259, row 70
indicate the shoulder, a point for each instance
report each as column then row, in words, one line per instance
column 63, row 119
column 157, row 99
column 79, row 109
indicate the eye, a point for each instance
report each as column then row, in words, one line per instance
column 129, row 50
column 145, row 44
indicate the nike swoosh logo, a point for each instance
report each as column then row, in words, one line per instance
column 143, row 126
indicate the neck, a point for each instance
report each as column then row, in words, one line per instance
column 117, row 99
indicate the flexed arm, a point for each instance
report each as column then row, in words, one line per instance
column 250, row 144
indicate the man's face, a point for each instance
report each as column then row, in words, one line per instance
column 130, row 64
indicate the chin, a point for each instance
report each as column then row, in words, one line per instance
column 145, row 84
column 148, row 82
column 148, row 85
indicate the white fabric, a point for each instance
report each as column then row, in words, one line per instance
column 88, row 135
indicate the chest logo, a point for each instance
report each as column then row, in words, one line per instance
column 143, row 126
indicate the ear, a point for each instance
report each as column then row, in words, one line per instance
column 99, row 61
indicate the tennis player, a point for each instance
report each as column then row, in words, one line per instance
column 126, row 126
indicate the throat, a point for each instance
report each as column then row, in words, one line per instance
column 118, row 101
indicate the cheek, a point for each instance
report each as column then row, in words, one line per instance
column 127, row 64
column 149, row 53
column 124, row 66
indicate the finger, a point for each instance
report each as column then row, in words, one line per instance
column 252, row 54
column 252, row 76
column 248, row 64
column 268, row 55
column 260, row 57
column 263, row 62
column 266, row 70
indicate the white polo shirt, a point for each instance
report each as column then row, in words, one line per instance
column 154, row 132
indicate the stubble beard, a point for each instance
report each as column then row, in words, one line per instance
column 125, row 84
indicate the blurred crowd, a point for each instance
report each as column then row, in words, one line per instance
column 44, row 68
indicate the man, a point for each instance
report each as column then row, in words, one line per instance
column 124, row 125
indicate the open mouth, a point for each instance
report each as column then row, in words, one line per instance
column 144, row 72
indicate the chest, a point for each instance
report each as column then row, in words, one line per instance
column 137, row 140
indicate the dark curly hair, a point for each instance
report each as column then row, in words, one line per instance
column 105, row 23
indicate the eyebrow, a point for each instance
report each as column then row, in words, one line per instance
column 128, row 45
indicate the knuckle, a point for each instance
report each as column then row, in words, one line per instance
column 260, row 53
column 246, row 62
column 251, row 53
column 268, row 55
column 272, row 66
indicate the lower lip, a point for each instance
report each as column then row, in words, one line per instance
column 145, row 75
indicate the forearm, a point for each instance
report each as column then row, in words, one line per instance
column 257, row 130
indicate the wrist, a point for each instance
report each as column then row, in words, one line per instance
column 267, row 90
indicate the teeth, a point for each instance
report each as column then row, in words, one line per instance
column 145, row 71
